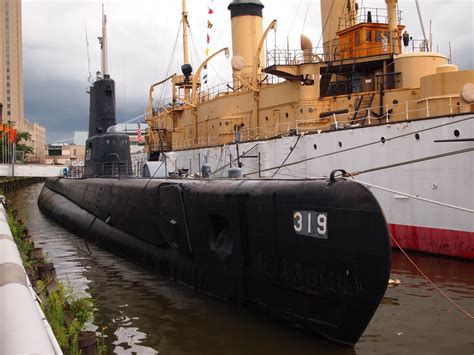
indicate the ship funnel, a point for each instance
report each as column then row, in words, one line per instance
column 307, row 47
column 247, row 29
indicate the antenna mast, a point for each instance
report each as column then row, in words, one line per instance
column 89, row 78
column 103, row 45
column 185, row 33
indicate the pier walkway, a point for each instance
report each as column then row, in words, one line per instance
column 31, row 170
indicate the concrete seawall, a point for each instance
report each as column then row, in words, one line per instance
column 8, row 184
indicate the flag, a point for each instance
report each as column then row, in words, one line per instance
column 208, row 38
column 139, row 132
column 12, row 135
column 6, row 130
column 209, row 24
column 210, row 12
column 207, row 52
column 204, row 78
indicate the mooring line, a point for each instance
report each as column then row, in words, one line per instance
column 415, row 197
column 449, row 299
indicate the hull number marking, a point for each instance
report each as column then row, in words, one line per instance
column 311, row 224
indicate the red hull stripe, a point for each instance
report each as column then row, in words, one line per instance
column 434, row 241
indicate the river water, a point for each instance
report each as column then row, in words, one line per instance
column 145, row 314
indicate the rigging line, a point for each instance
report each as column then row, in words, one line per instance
column 325, row 23
column 234, row 160
column 415, row 197
column 209, row 64
column 296, row 15
column 408, row 162
column 288, row 156
column 449, row 299
column 362, row 145
column 173, row 53
column 306, row 16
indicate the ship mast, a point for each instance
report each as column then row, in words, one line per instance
column 185, row 34
column 103, row 45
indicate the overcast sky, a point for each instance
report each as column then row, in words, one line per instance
column 142, row 37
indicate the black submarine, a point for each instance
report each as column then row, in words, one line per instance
column 315, row 254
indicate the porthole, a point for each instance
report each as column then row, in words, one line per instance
column 301, row 111
column 417, row 136
column 315, row 146
column 395, row 102
column 310, row 110
column 382, row 139
column 457, row 133
column 340, row 144
column 266, row 118
column 286, row 114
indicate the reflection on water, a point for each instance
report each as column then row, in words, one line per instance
column 142, row 313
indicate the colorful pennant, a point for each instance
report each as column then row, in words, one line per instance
column 210, row 12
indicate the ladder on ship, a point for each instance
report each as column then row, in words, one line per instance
column 362, row 107
column 164, row 146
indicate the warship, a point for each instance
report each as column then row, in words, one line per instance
column 396, row 115
column 314, row 253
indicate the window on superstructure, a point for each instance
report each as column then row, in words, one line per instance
column 378, row 36
column 357, row 35
column 368, row 36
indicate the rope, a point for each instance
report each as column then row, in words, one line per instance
column 408, row 162
column 447, row 205
column 441, row 292
column 288, row 156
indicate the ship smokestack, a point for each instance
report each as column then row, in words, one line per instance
column 247, row 30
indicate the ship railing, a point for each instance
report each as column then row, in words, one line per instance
column 107, row 169
column 366, row 47
column 388, row 113
column 419, row 45
column 367, row 15
column 212, row 92
column 394, row 112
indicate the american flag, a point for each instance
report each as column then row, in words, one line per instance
column 139, row 132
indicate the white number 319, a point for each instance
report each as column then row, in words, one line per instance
column 311, row 224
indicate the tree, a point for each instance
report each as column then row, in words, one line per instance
column 20, row 147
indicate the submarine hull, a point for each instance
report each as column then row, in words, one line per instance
column 315, row 254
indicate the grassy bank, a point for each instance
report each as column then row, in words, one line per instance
column 67, row 314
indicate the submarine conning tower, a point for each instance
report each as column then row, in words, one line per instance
column 108, row 148
column 102, row 106
column 247, row 30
